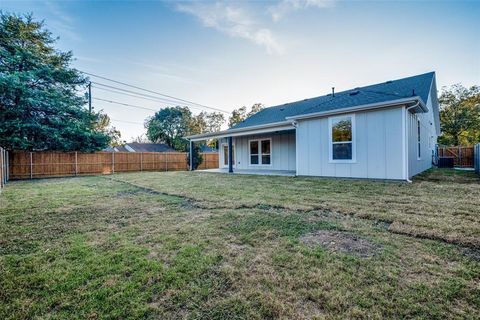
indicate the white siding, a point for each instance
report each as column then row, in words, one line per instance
column 428, row 139
column 282, row 151
column 379, row 152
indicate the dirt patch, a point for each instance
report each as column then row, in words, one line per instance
column 471, row 253
column 337, row 241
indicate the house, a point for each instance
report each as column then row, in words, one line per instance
column 382, row 131
column 207, row 149
column 141, row 147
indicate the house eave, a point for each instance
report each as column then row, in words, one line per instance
column 264, row 128
column 365, row 107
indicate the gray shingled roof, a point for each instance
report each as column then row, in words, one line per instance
column 150, row 147
column 382, row 92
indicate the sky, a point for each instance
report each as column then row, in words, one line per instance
column 231, row 54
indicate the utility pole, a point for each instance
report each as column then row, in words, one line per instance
column 90, row 97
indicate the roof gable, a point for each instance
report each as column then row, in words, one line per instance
column 418, row 85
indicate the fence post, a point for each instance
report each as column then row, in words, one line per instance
column 2, row 169
column 76, row 164
column 7, row 165
column 31, row 165
column 141, row 161
column 166, row 161
column 113, row 162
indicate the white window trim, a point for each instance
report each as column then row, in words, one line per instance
column 260, row 153
column 330, row 140
column 223, row 158
column 419, row 139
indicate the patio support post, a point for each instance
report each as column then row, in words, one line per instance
column 191, row 155
column 230, row 155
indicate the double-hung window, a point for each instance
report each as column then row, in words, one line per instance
column 342, row 138
column 260, row 152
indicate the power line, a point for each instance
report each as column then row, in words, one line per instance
column 138, row 95
column 124, row 104
column 128, row 94
column 151, row 91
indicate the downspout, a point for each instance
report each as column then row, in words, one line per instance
column 295, row 125
column 407, row 178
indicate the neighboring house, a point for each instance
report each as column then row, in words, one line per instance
column 382, row 131
column 206, row 149
column 141, row 147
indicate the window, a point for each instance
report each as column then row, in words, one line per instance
column 225, row 155
column 418, row 139
column 260, row 152
column 265, row 151
column 342, row 138
column 253, row 152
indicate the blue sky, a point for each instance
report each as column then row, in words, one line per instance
column 230, row 54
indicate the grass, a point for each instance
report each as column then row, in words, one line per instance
column 214, row 246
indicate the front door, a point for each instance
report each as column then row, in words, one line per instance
column 225, row 155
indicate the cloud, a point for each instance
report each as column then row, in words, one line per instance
column 234, row 21
column 281, row 9
column 62, row 22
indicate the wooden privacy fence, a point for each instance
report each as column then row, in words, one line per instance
column 476, row 158
column 463, row 156
column 30, row 165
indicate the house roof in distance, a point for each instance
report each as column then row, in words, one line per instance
column 141, row 147
column 149, row 147
column 415, row 86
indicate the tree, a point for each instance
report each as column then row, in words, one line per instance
column 237, row 116
column 39, row 105
column 460, row 115
column 240, row 114
column 103, row 125
column 170, row 125
column 215, row 120
column 197, row 157
column 257, row 107
column 140, row 139
column 198, row 124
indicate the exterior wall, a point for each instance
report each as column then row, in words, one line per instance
column 428, row 139
column 282, row 151
column 379, row 147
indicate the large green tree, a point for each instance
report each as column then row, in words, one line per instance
column 460, row 115
column 240, row 114
column 170, row 125
column 40, row 104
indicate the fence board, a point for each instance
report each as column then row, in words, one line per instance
column 463, row 156
column 29, row 165
column 476, row 154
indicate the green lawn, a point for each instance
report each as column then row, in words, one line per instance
column 215, row 246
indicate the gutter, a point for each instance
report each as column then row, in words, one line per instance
column 379, row 105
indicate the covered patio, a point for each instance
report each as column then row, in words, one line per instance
column 264, row 149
